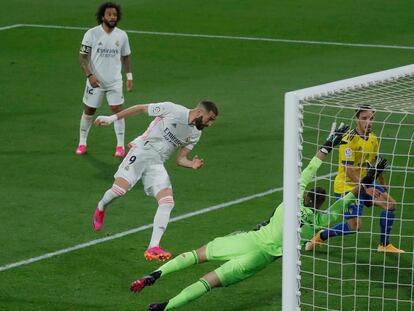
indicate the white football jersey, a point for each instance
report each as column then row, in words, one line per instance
column 169, row 130
column 105, row 51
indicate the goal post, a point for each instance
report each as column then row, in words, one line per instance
column 309, row 279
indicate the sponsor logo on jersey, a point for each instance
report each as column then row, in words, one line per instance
column 172, row 138
column 348, row 153
column 105, row 52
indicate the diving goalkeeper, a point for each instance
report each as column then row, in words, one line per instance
column 249, row 252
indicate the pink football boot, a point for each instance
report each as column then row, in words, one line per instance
column 81, row 150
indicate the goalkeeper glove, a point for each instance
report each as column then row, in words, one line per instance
column 335, row 137
column 374, row 172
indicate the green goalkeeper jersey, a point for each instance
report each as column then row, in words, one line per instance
column 270, row 237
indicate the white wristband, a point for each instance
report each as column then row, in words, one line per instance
column 129, row 76
column 107, row 119
column 113, row 118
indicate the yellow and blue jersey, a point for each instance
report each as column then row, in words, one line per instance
column 356, row 153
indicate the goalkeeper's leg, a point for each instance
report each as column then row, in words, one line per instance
column 180, row 262
column 231, row 272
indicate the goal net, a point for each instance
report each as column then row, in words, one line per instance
column 348, row 272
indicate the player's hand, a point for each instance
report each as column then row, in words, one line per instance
column 94, row 82
column 335, row 137
column 375, row 171
column 130, row 85
column 197, row 163
column 105, row 120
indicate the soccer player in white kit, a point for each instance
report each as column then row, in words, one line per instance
column 105, row 48
column 174, row 127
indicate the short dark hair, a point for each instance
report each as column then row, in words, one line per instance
column 209, row 106
column 108, row 5
column 362, row 108
column 316, row 197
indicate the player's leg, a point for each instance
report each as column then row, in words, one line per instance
column 231, row 272
column 351, row 224
column 129, row 172
column 179, row 263
column 388, row 204
column 115, row 100
column 220, row 249
column 157, row 183
column 92, row 99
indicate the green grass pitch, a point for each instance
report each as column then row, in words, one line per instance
column 48, row 194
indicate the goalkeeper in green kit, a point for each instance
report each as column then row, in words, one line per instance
column 247, row 253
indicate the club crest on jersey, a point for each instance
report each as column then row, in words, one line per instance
column 174, row 124
column 100, row 43
column 156, row 109
column 117, row 43
column 348, row 153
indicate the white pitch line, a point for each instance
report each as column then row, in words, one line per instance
column 242, row 38
column 141, row 228
column 11, row 27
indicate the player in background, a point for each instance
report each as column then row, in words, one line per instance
column 249, row 252
column 360, row 151
column 105, row 48
column 174, row 127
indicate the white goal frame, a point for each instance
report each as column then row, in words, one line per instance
column 292, row 168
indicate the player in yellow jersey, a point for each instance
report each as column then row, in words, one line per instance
column 360, row 151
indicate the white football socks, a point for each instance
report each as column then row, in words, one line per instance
column 110, row 195
column 161, row 219
column 85, row 126
column 119, row 127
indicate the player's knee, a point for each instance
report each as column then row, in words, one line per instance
column 119, row 191
column 116, row 109
column 202, row 254
column 89, row 111
column 358, row 225
column 212, row 279
column 355, row 224
column 122, row 183
column 167, row 202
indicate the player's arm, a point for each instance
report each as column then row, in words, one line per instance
column 183, row 160
column 84, row 62
column 126, row 62
column 351, row 173
column 107, row 120
column 382, row 182
column 334, row 139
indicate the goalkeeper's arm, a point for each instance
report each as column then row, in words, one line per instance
column 334, row 139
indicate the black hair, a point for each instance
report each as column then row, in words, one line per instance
column 316, row 197
column 209, row 106
column 362, row 108
column 108, row 5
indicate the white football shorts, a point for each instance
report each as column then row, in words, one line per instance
column 92, row 97
column 143, row 162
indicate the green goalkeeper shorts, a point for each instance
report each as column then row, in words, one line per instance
column 244, row 257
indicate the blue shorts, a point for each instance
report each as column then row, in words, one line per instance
column 355, row 210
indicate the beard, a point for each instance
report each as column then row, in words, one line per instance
column 199, row 123
column 110, row 24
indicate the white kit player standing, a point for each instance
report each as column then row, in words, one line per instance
column 174, row 127
column 105, row 48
